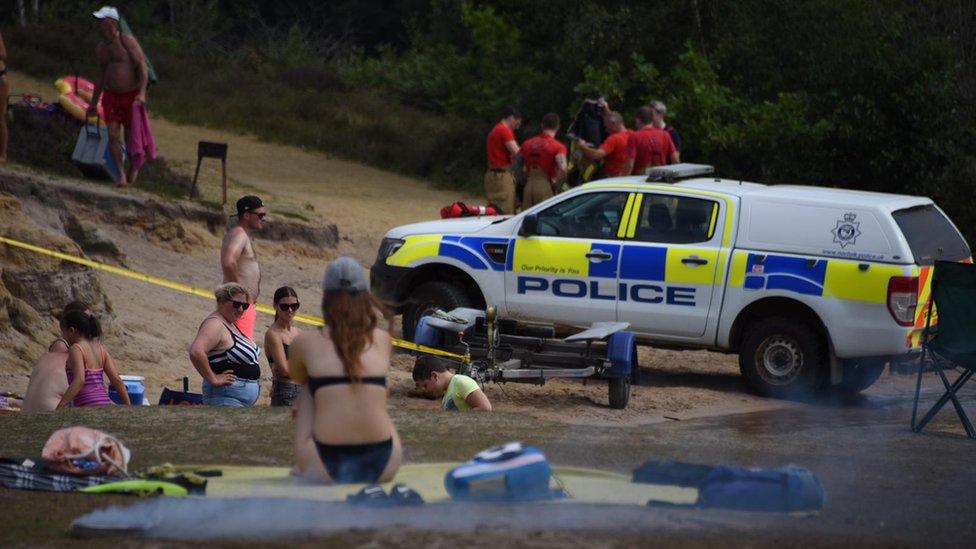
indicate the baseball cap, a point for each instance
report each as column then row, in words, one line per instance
column 345, row 275
column 106, row 12
column 248, row 203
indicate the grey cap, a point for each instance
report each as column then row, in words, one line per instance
column 345, row 275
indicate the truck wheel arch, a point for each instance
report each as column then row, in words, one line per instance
column 770, row 307
column 440, row 272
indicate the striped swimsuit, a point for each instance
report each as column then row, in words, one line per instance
column 241, row 358
column 93, row 392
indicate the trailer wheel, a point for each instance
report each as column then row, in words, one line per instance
column 430, row 296
column 782, row 357
column 619, row 392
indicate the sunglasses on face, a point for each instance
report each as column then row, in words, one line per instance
column 242, row 305
column 260, row 215
column 289, row 306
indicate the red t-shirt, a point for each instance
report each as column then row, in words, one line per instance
column 616, row 148
column 541, row 152
column 498, row 155
column 650, row 146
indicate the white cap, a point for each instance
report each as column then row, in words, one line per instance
column 107, row 12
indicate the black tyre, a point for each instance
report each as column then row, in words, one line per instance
column 429, row 296
column 619, row 392
column 635, row 371
column 782, row 357
column 859, row 374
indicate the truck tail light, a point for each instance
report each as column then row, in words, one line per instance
column 903, row 299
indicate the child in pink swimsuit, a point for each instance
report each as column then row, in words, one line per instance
column 87, row 361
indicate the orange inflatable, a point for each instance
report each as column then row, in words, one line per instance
column 76, row 94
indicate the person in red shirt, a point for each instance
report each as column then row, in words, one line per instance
column 613, row 151
column 649, row 145
column 544, row 161
column 502, row 148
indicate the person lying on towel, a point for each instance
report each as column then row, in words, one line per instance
column 457, row 392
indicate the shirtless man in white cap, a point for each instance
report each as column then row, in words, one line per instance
column 122, row 82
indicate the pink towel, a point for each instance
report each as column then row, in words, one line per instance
column 140, row 142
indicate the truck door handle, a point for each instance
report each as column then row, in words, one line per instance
column 693, row 260
column 599, row 255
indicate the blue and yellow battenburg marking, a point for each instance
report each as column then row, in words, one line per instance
column 562, row 257
column 473, row 251
column 819, row 277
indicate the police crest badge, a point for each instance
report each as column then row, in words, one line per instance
column 847, row 230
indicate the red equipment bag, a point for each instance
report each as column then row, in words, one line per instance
column 460, row 209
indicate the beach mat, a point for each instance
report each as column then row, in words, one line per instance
column 580, row 484
column 252, row 502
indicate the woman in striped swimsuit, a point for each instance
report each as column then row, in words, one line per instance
column 226, row 359
column 87, row 362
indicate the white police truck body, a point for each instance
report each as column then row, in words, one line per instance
column 807, row 284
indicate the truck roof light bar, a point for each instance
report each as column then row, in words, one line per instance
column 677, row 172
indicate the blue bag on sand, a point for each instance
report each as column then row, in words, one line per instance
column 510, row 472
column 180, row 398
column 787, row 489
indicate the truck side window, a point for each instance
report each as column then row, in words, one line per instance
column 590, row 215
column 676, row 219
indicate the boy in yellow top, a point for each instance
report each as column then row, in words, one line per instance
column 459, row 392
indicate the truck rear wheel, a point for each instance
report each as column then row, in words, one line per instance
column 619, row 392
column 782, row 357
column 427, row 297
column 859, row 374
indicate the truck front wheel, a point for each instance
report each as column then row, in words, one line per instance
column 782, row 357
column 860, row 373
column 429, row 296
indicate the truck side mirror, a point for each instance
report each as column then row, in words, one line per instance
column 530, row 225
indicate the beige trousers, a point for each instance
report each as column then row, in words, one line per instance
column 537, row 189
column 500, row 190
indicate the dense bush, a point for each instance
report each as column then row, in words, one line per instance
column 860, row 94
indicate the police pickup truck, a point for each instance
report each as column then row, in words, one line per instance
column 810, row 286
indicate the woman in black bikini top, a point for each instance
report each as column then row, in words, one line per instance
column 277, row 341
column 344, row 433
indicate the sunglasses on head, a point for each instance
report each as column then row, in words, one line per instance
column 289, row 306
column 242, row 305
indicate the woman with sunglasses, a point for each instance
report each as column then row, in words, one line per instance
column 276, row 342
column 226, row 359
column 343, row 432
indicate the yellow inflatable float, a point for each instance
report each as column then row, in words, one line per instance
column 76, row 94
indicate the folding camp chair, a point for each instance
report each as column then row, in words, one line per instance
column 952, row 341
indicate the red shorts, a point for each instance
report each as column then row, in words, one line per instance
column 118, row 106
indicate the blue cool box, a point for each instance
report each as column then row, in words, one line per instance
column 133, row 384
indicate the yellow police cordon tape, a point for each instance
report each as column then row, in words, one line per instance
column 201, row 292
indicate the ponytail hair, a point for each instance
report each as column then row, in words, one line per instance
column 84, row 321
column 282, row 293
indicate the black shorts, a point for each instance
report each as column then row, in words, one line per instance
column 355, row 463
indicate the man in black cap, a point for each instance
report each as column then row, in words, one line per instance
column 238, row 260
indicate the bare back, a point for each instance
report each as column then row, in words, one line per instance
column 346, row 413
column 238, row 261
column 118, row 69
column 48, row 383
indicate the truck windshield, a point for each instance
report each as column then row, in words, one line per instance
column 930, row 235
